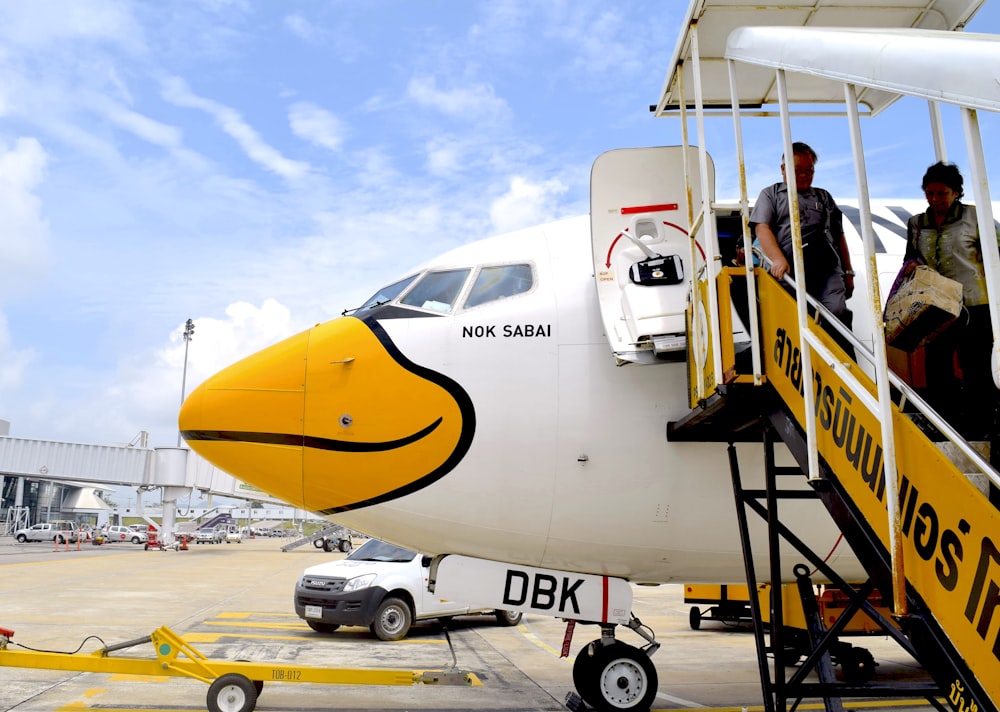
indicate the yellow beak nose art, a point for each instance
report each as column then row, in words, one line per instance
column 332, row 419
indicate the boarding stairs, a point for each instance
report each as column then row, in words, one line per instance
column 938, row 559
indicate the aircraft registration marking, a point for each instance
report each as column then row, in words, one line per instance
column 547, row 592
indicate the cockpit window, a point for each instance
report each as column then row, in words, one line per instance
column 499, row 282
column 387, row 294
column 437, row 291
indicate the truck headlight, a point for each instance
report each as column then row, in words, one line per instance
column 359, row 582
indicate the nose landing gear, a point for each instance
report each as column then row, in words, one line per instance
column 611, row 675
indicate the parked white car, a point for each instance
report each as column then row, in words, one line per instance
column 60, row 531
column 381, row 586
column 209, row 535
column 120, row 533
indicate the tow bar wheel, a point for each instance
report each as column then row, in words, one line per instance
column 232, row 692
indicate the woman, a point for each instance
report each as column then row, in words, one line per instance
column 946, row 239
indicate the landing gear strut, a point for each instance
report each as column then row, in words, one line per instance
column 612, row 675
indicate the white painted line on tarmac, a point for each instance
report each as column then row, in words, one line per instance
column 677, row 700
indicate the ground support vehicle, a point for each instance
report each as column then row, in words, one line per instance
column 730, row 604
column 233, row 686
column 726, row 603
column 381, row 586
column 340, row 543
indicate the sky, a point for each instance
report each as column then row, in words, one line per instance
column 258, row 167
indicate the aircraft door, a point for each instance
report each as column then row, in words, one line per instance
column 641, row 249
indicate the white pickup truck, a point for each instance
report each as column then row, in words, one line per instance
column 381, row 586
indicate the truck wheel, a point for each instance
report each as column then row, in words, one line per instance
column 345, row 546
column 232, row 692
column 318, row 543
column 392, row 620
column 507, row 617
column 327, row 545
column 21, row 538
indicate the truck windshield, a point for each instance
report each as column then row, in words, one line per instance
column 375, row 550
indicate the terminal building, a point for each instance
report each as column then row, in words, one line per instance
column 43, row 480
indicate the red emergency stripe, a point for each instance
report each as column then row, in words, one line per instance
column 604, row 601
column 649, row 208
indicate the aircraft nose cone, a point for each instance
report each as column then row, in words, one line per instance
column 332, row 419
column 247, row 419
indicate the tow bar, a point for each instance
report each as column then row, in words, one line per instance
column 234, row 686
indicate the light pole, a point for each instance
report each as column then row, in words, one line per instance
column 188, row 335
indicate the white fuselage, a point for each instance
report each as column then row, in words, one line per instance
column 570, row 467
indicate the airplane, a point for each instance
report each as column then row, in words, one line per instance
column 494, row 409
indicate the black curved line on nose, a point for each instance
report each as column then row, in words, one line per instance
column 308, row 440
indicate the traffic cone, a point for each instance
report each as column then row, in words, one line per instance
column 184, row 543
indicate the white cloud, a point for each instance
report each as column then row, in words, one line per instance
column 311, row 123
column 445, row 156
column 12, row 362
column 176, row 91
column 526, row 204
column 302, row 28
column 24, row 232
column 147, row 129
column 158, row 374
column 47, row 22
column 475, row 102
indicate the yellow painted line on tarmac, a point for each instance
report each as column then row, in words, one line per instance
column 60, row 561
column 215, row 637
column 78, row 706
column 524, row 630
column 251, row 624
column 251, row 614
column 848, row 704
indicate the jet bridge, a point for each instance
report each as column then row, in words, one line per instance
column 928, row 536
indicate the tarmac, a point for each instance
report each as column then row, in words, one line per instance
column 234, row 602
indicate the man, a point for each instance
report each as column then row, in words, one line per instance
column 829, row 276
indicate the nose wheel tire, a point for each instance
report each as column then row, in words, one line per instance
column 615, row 677
column 232, row 692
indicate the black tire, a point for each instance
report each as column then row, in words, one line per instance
column 318, row 543
column 857, row 665
column 694, row 618
column 146, row 547
column 345, row 546
column 392, row 619
column 327, row 546
column 21, row 538
column 584, row 679
column 258, row 685
column 136, row 540
column 508, row 618
column 321, row 627
column 232, row 692
column 624, row 678
column 60, row 539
